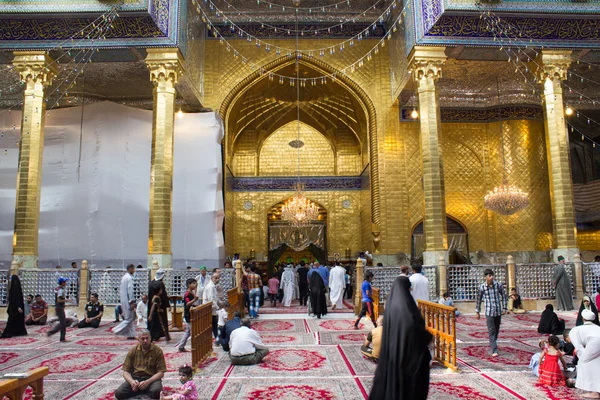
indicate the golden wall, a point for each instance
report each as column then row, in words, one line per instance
column 472, row 164
column 588, row 240
column 251, row 226
column 278, row 158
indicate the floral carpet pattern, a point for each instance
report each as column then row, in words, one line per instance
column 308, row 358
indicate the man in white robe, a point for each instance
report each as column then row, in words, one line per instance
column 337, row 284
column 127, row 327
column 288, row 283
column 202, row 280
column 586, row 339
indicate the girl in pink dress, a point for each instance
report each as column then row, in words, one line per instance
column 188, row 389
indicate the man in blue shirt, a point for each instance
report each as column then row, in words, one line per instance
column 367, row 300
column 494, row 296
column 324, row 272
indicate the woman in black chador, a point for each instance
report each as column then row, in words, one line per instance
column 318, row 301
column 15, row 326
column 403, row 366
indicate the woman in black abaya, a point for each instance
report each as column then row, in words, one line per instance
column 15, row 326
column 318, row 302
column 550, row 324
column 403, row 366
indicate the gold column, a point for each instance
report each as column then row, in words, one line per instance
column 166, row 66
column 84, row 286
column 553, row 70
column 36, row 70
column 238, row 275
column 358, row 281
column 442, row 273
column 578, row 278
column 511, row 268
column 426, row 66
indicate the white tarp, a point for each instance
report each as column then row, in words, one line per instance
column 96, row 184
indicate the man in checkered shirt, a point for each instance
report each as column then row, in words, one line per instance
column 494, row 295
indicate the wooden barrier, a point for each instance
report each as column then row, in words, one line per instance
column 201, row 320
column 440, row 322
column 376, row 305
column 236, row 302
column 14, row 389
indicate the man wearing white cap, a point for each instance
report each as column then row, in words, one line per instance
column 586, row 339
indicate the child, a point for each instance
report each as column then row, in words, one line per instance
column 189, row 299
column 534, row 363
column 550, row 372
column 273, row 290
column 222, row 315
column 61, row 299
column 515, row 305
column 188, row 389
column 447, row 301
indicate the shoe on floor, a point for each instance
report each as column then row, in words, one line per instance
column 494, row 354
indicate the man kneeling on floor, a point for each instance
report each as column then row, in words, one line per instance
column 93, row 313
column 374, row 338
column 143, row 370
column 246, row 346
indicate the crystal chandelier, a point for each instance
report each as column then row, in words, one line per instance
column 505, row 199
column 299, row 211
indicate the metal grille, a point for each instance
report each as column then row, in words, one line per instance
column 534, row 281
column 464, row 280
column 383, row 278
column 45, row 283
column 106, row 283
column 591, row 277
column 175, row 280
column 4, row 287
column 227, row 279
column 432, row 277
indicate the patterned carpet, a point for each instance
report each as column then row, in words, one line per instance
column 296, row 308
column 304, row 355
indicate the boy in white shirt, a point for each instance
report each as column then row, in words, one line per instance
column 222, row 316
column 142, row 311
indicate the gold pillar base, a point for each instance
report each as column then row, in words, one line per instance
column 26, row 261
column 358, row 280
column 162, row 260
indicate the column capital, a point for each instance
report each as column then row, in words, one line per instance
column 427, row 62
column 165, row 64
column 553, row 64
column 35, row 66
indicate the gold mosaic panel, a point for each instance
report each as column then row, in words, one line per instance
column 278, row 158
column 588, row 240
column 251, row 227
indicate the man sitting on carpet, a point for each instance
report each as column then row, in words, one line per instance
column 93, row 313
column 246, row 346
column 38, row 314
column 374, row 337
column 143, row 370
column 515, row 305
column 230, row 326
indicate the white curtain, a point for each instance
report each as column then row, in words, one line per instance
column 96, row 182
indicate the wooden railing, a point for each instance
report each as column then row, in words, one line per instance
column 201, row 320
column 376, row 305
column 236, row 302
column 440, row 321
column 14, row 389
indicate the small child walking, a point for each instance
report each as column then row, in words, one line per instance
column 273, row 290
column 188, row 390
column 550, row 372
column 222, row 318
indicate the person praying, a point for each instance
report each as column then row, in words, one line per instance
column 337, row 284
column 403, row 368
column 562, row 284
column 586, row 339
column 550, row 324
column 515, row 305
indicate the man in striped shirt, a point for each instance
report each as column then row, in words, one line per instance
column 255, row 287
column 494, row 296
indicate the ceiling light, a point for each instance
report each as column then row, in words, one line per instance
column 414, row 114
column 179, row 114
column 569, row 111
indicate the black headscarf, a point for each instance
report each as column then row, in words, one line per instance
column 318, row 302
column 403, row 366
column 593, row 308
column 15, row 326
column 549, row 323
